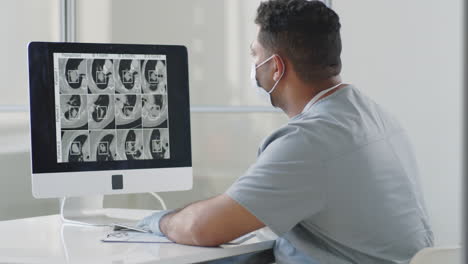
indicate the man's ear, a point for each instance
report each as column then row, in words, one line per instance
column 279, row 68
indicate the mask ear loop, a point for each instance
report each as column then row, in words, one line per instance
column 265, row 61
column 276, row 84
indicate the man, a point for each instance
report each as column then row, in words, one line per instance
column 338, row 183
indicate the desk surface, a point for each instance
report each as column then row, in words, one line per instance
column 47, row 240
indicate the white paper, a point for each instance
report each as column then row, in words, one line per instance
column 139, row 237
column 135, row 237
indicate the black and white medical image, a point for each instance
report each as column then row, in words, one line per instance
column 100, row 76
column 101, row 111
column 73, row 112
column 156, row 143
column 154, row 77
column 154, row 110
column 72, row 76
column 127, row 76
column 111, row 107
column 128, row 111
column 130, row 144
column 76, row 146
column 103, row 145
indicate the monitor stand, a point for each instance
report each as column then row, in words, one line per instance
column 88, row 211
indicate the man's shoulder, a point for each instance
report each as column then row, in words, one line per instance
column 334, row 127
column 293, row 141
column 286, row 134
column 311, row 129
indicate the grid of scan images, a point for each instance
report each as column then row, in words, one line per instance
column 111, row 107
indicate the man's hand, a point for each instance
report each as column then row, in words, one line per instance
column 209, row 223
column 151, row 222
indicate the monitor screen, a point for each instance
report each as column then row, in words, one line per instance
column 111, row 107
column 108, row 107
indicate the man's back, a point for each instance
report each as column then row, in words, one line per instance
column 354, row 167
column 374, row 207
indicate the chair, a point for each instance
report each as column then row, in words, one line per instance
column 438, row 255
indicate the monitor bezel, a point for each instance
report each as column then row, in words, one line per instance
column 42, row 123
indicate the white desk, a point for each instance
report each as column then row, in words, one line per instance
column 46, row 240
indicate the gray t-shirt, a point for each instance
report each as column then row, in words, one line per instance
column 338, row 184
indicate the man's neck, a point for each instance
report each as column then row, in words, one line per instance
column 302, row 94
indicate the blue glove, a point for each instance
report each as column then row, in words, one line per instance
column 151, row 222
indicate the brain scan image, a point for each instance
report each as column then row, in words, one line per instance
column 130, row 144
column 73, row 112
column 154, row 77
column 128, row 76
column 103, row 145
column 154, row 110
column 128, row 110
column 156, row 143
column 72, row 76
column 101, row 111
column 100, row 75
column 75, row 146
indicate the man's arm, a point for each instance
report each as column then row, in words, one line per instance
column 210, row 222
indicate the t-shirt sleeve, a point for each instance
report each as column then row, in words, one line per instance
column 285, row 185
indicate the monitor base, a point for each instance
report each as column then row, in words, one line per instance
column 88, row 211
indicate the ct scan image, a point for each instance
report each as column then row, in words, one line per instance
column 154, row 77
column 127, row 76
column 72, row 76
column 103, row 145
column 111, row 107
column 75, row 146
column 73, row 112
column 154, row 110
column 128, row 111
column 156, row 143
column 101, row 111
column 130, row 144
column 100, row 76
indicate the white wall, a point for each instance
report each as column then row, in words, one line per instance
column 407, row 55
column 22, row 21
column 16, row 200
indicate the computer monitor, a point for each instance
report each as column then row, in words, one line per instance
column 108, row 119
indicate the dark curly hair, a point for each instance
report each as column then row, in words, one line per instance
column 306, row 32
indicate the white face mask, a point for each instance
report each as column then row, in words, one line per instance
column 263, row 94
